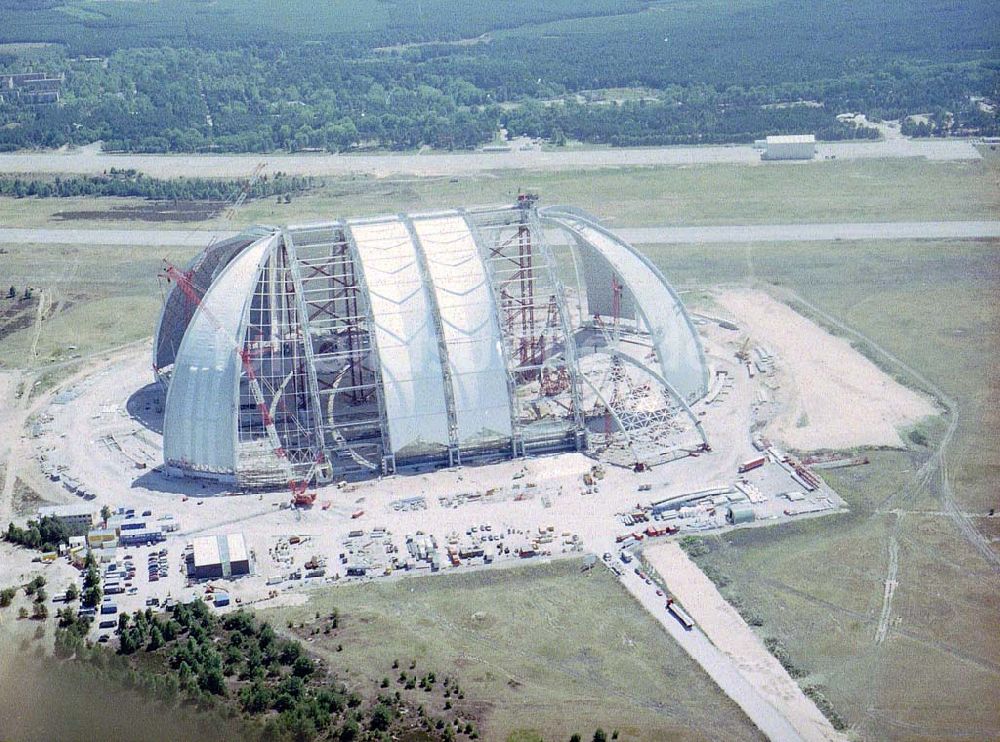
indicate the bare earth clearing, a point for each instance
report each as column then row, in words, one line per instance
column 835, row 397
column 731, row 634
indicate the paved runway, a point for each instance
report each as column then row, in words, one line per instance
column 90, row 160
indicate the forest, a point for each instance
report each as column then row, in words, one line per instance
column 251, row 76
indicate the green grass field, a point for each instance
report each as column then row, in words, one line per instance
column 818, row 585
column 101, row 297
column 768, row 193
column 544, row 650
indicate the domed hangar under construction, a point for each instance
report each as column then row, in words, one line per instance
column 373, row 345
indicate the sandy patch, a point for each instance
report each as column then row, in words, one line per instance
column 732, row 636
column 830, row 396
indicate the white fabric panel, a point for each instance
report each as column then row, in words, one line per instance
column 199, row 427
column 471, row 333
column 677, row 346
column 405, row 336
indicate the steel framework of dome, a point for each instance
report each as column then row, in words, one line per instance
column 323, row 351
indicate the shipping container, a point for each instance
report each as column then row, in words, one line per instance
column 752, row 464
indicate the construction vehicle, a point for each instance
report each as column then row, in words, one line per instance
column 680, row 614
column 743, row 353
column 301, row 498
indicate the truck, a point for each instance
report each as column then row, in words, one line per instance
column 752, row 464
column 109, row 608
column 680, row 614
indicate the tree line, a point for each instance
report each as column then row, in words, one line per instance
column 44, row 534
column 135, row 184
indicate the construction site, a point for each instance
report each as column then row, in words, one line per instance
column 336, row 351
column 363, row 399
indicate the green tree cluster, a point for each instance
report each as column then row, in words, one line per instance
column 44, row 534
column 92, row 592
column 129, row 183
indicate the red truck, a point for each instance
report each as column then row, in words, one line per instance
column 752, row 464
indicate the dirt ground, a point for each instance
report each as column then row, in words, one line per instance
column 731, row 634
column 149, row 211
column 832, row 397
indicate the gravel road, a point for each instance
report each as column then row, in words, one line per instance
column 635, row 235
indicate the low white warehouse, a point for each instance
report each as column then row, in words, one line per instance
column 220, row 556
column 790, row 147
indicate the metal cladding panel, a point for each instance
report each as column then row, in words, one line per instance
column 471, row 333
column 597, row 273
column 199, row 427
column 177, row 310
column 678, row 349
column 408, row 350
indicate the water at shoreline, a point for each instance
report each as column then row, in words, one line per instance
column 42, row 699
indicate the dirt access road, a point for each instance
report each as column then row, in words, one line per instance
column 737, row 643
column 91, row 160
column 735, row 234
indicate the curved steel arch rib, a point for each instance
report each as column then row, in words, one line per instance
column 678, row 350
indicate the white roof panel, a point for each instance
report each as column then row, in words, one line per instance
column 206, row 550
column 469, row 323
column 237, row 546
column 199, row 427
column 404, row 335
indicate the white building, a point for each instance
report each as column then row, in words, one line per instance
column 380, row 344
column 220, row 556
column 790, row 147
column 77, row 519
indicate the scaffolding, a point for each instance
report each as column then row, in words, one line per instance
column 535, row 329
column 372, row 345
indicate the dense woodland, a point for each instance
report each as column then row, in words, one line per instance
column 245, row 75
